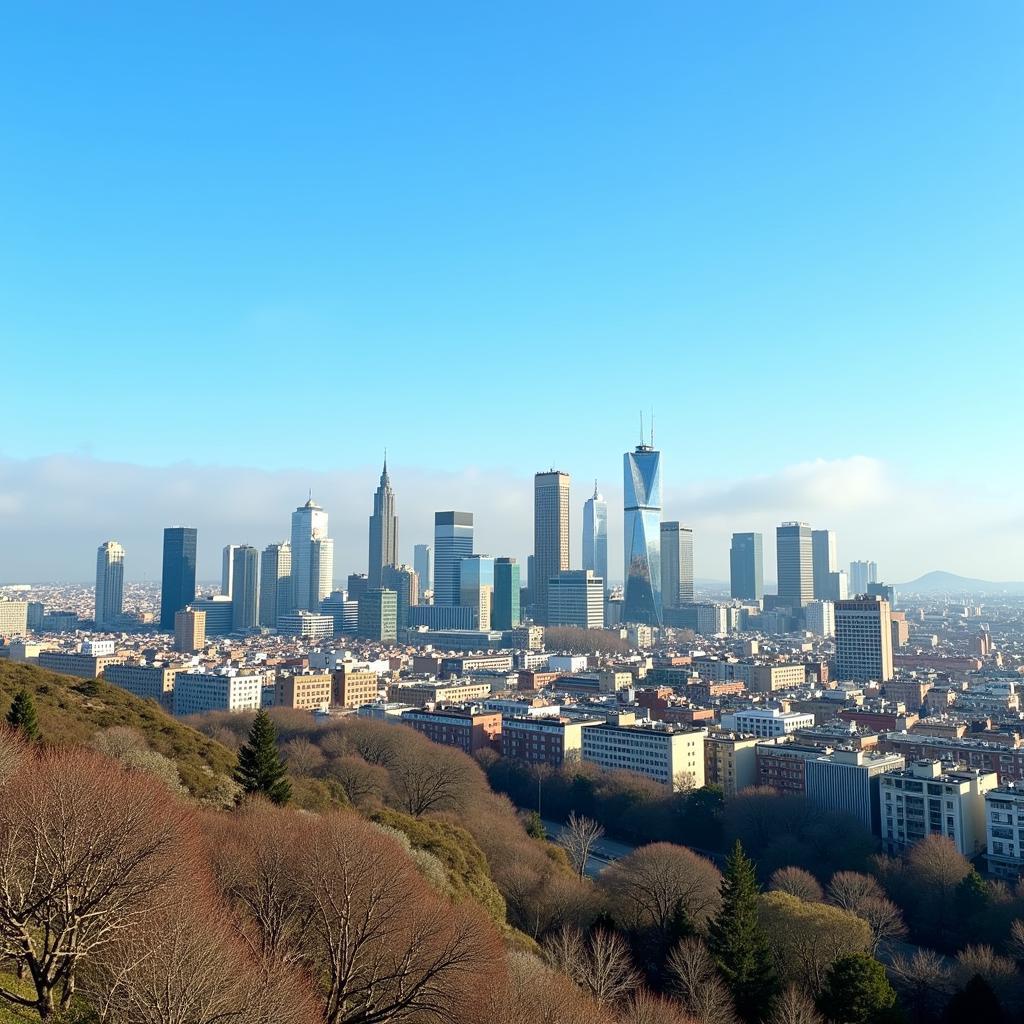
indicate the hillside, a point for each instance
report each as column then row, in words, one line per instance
column 71, row 711
column 939, row 582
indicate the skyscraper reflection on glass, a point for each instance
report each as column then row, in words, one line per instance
column 642, row 489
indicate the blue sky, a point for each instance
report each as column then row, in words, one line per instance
column 282, row 236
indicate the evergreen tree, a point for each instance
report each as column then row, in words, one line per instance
column 534, row 826
column 974, row 1002
column 738, row 942
column 857, row 991
column 259, row 768
column 22, row 715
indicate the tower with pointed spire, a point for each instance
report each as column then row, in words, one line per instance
column 595, row 535
column 383, row 530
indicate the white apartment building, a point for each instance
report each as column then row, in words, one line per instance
column 1004, row 830
column 306, row 624
column 935, row 798
column 149, row 682
column 197, row 692
column 660, row 752
column 765, row 723
column 820, row 617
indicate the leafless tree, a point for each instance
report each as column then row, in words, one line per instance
column 697, row 983
column 86, row 853
column 924, row 982
column 302, row 757
column 426, row 779
column 884, row 919
column 532, row 993
column 848, row 889
column 644, row 1007
column 364, row 784
column 1016, row 941
column 12, row 749
column 797, row 882
column 600, row 964
column 999, row 971
column 794, row 1006
column 578, row 838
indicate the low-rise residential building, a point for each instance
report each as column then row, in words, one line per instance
column 1004, row 827
column 847, row 782
column 13, row 618
column 669, row 755
column 355, row 687
column 931, row 798
column 74, row 663
column 419, row 693
column 1001, row 755
column 765, row 723
column 150, row 682
column 470, row 730
column 198, row 692
column 543, row 740
column 467, row 664
column 306, row 690
column 783, row 765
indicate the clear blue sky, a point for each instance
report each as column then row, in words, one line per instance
column 487, row 234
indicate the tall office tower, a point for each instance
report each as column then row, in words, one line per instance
column 378, row 615
column 275, row 583
column 550, row 532
column 476, row 587
column 109, row 583
column 676, row 565
column 309, row 524
column 823, row 561
column 531, row 578
column 245, row 587
column 227, row 568
column 820, row 618
column 321, row 570
column 356, row 585
column 595, row 534
column 864, row 639
column 794, row 560
column 453, row 541
column 838, row 586
column 642, row 535
column 505, row 610
column 861, row 574
column 178, row 582
column 423, row 563
column 189, row 631
column 746, row 567
column 383, row 529
column 405, row 582
column 576, row 598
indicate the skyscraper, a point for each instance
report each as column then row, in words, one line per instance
column 794, row 562
column 275, row 583
column 245, row 587
column 405, row 582
column 321, row 570
column 109, row 583
column 505, row 610
column 863, row 639
column 227, row 568
column 595, row 535
column 861, row 574
column 550, row 533
column 383, row 529
column 746, row 567
column 453, row 541
column 823, row 561
column 576, row 598
column 676, row 565
column 642, row 535
column 309, row 524
column 378, row 615
column 476, row 587
column 178, row 581
column 423, row 563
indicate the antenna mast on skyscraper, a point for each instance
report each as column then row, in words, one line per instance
column 641, row 428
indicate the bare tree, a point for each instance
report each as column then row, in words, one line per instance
column 884, row 919
column 696, row 981
column 364, row 783
column 794, row 1006
column 302, row 757
column 578, row 838
column 532, row 993
column 797, row 882
column 600, row 965
column 644, row 1007
column 426, row 779
column 1000, row 972
column 848, row 889
column 12, row 749
column 86, row 852
column 1016, row 941
column 924, row 982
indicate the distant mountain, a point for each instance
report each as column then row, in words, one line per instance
column 949, row 583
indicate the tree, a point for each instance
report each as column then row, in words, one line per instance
column 578, row 838
column 737, row 940
column 797, row 882
column 644, row 1007
column 998, row 972
column 22, row 716
column 260, row 771
column 302, row 757
column 86, row 852
column 849, row 889
column 794, row 1006
column 924, row 983
column 427, row 778
column 534, row 825
column 695, row 980
column 600, row 964
column 974, row 1002
column 862, row 895
column 533, row 993
column 857, row 991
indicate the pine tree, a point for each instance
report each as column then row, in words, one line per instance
column 260, row 770
column 857, row 991
column 22, row 715
column 738, row 942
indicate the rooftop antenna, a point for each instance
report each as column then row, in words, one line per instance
column 641, row 428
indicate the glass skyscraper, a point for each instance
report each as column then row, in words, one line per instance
column 595, row 535
column 109, row 583
column 676, row 565
column 505, row 611
column 795, row 564
column 642, row 535
column 309, row 525
column 178, row 582
column 550, row 533
column 453, row 541
column 746, row 567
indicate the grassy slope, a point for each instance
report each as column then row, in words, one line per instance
column 72, row 710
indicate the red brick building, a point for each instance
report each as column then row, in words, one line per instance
column 468, row 730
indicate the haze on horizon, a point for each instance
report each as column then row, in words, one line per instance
column 242, row 255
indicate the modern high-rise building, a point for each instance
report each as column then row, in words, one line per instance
column 794, row 556
column 356, row 585
column 746, row 567
column 189, row 631
column 838, row 586
column 864, row 639
column 595, row 534
column 321, row 569
column 378, row 615
column 275, row 583
column 505, row 610
column 550, row 532
column 227, row 568
column 476, row 588
column 453, row 541
column 676, row 565
column 823, row 562
column 642, row 535
column 861, row 574
column 405, row 582
column 109, row 583
column 178, row 582
column 423, row 563
column 245, row 588
column 820, row 618
column 383, row 529
column 309, row 524
column 576, row 598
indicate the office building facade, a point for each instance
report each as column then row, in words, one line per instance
column 227, row 568
column 275, row 583
column 861, row 574
column 378, row 615
column 189, row 631
column 109, row 584
column 220, row 613
column 405, row 582
column 823, row 562
column 576, row 598
column 864, row 639
column 642, row 535
column 550, row 532
column 794, row 555
column 595, row 535
column 476, row 588
column 746, row 567
column 309, row 528
column 178, row 580
column 245, row 588
column 505, row 610
column 676, row 565
column 453, row 541
column 383, row 530
column 423, row 563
